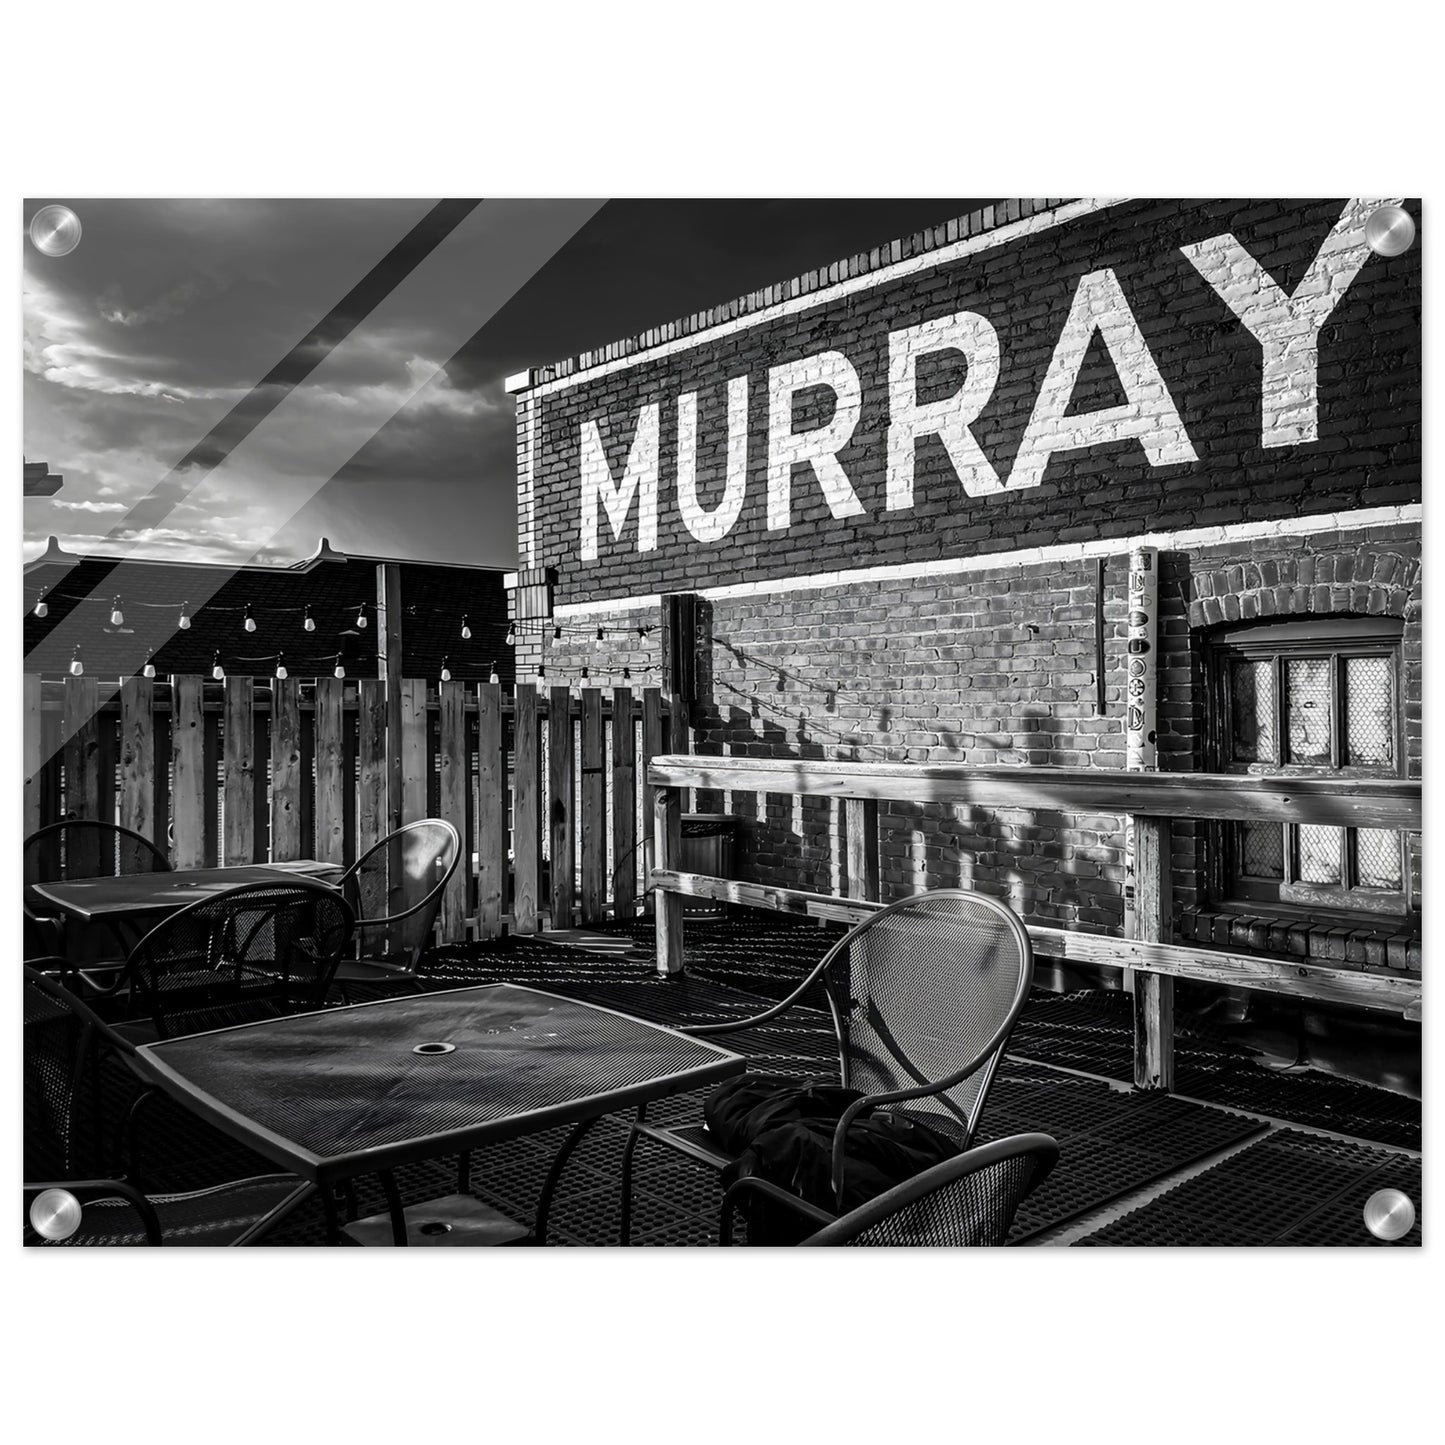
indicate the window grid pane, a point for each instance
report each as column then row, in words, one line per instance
column 1252, row 738
column 1261, row 850
column 1369, row 712
column 1377, row 858
column 1319, row 854
column 1307, row 696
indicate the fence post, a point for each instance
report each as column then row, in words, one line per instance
column 491, row 812
column 624, row 806
column 651, row 747
column 594, row 810
column 526, row 801
column 188, row 752
column 455, row 780
column 667, row 835
column 286, row 777
column 240, row 762
column 1153, row 992
column 330, row 752
column 559, row 794
column 373, row 752
column 138, row 757
column 860, row 822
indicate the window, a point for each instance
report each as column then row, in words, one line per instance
column 1308, row 698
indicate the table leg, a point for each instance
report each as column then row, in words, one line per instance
column 464, row 1172
column 554, row 1176
column 333, row 1221
column 393, row 1204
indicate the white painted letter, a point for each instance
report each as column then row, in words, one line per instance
column 1288, row 327
column 821, row 446
column 1149, row 413
column 704, row 525
column 640, row 477
column 948, row 419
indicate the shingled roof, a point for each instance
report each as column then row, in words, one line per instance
column 78, row 592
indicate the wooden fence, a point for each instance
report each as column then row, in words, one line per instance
column 1154, row 800
column 543, row 788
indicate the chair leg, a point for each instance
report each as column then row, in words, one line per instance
column 625, row 1229
column 554, row 1177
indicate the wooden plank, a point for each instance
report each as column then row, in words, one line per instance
column 137, row 758
column 491, row 812
column 1343, row 802
column 413, row 749
column 667, row 838
column 211, row 785
column 594, row 810
column 188, row 753
column 561, row 831
column 107, row 757
column 240, row 764
column 372, row 765
column 82, row 773
column 164, row 757
column 624, row 806
column 652, row 746
column 32, row 744
column 330, row 752
column 860, row 827
column 526, row 807
column 287, row 780
column 51, row 759
column 261, row 803
column 388, row 662
column 455, row 783
column 1153, row 992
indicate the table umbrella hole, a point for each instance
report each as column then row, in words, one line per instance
column 434, row 1048
column 434, row 1226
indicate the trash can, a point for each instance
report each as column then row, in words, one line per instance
column 707, row 847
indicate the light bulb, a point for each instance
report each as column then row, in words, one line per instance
column 601, row 636
column 281, row 666
column 217, row 671
column 584, row 674
column 556, row 634
column 310, row 623
column 185, row 621
column 642, row 632
column 117, row 617
column 250, row 623
column 626, row 673
column 149, row 670
column 492, row 676
column 446, row 671
column 42, row 607
column 541, row 672
column 361, row 617
column 511, row 635
column 339, row 671
column 77, row 667
column 466, row 629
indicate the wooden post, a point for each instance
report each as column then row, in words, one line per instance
column 33, row 745
column 373, row 765
column 286, row 777
column 413, row 751
column 491, row 812
column 651, row 746
column 624, row 807
column 667, row 835
column 455, row 781
column 1153, row 992
column 211, row 784
column 240, row 759
column 559, row 794
column 860, row 824
column 526, row 801
column 330, row 753
column 82, row 772
column 594, row 810
column 188, row 751
column 388, row 669
column 138, row 758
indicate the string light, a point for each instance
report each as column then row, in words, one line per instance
column 281, row 666
column 117, row 617
column 149, row 670
column 557, row 634
column 601, row 635
column 446, row 669
column 217, row 671
column 338, row 670
column 77, row 667
column 584, row 674
column 626, row 673
column 541, row 672
column 249, row 622
column 42, row 607
column 185, row 619
column 492, row 676
column 361, row 616
column 511, row 634
column 466, row 628
column 310, row 623
column 642, row 632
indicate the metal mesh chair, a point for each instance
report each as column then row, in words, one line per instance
column 968, row 1201
column 80, row 848
column 258, row 951
column 923, row 996
column 67, row 1121
column 396, row 892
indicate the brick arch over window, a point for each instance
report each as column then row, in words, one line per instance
column 1377, row 583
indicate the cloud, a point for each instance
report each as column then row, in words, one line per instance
column 89, row 506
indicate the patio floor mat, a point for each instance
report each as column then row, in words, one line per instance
column 1290, row 1188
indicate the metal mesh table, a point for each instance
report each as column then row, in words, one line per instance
column 361, row 1090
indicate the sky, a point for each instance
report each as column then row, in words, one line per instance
column 165, row 380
